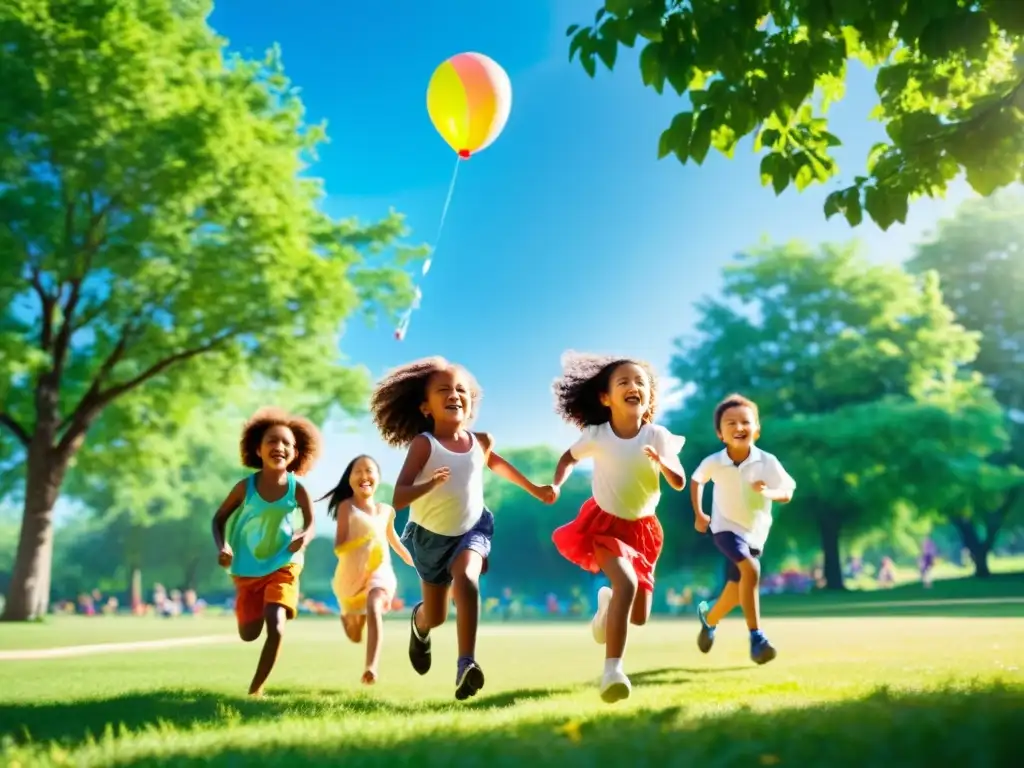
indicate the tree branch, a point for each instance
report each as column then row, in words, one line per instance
column 96, row 399
column 15, row 429
column 47, row 303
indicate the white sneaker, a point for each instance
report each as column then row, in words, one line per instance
column 615, row 686
column 600, row 620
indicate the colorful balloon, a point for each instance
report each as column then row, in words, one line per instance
column 469, row 99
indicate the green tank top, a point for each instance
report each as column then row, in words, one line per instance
column 260, row 531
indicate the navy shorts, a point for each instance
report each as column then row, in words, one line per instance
column 734, row 547
column 433, row 553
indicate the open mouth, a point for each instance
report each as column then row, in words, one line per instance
column 453, row 407
column 366, row 485
column 634, row 400
column 277, row 456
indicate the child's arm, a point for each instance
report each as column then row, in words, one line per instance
column 405, row 492
column 503, row 469
column 698, row 480
column 341, row 532
column 233, row 501
column 780, row 485
column 302, row 538
column 665, row 452
column 583, row 448
column 396, row 541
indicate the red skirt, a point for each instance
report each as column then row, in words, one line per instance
column 639, row 541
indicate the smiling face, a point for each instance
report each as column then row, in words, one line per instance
column 277, row 448
column 738, row 427
column 365, row 478
column 629, row 392
column 449, row 398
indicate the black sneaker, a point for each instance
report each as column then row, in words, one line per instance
column 469, row 680
column 419, row 650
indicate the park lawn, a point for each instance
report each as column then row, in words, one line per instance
column 843, row 692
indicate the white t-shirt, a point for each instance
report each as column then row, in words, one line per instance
column 626, row 483
column 735, row 505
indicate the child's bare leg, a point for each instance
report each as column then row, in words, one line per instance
column 614, row 683
column 374, row 628
column 274, row 616
column 353, row 625
column 466, row 569
column 430, row 613
column 750, row 599
column 251, row 630
column 641, row 611
column 726, row 601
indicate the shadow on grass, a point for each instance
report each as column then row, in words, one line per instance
column 976, row 727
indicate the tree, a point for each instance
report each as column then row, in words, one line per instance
column 158, row 241
column 854, row 369
column 979, row 256
column 950, row 90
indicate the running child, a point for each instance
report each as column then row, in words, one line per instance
column 254, row 531
column 428, row 405
column 364, row 580
column 613, row 400
column 747, row 480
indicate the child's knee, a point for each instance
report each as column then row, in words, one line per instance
column 275, row 618
column 750, row 567
column 466, row 582
column 250, row 631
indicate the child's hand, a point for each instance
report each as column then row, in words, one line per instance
column 441, row 475
column 759, row 486
column 652, row 454
column 225, row 556
column 547, row 494
column 298, row 542
column 701, row 522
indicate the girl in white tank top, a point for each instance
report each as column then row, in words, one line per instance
column 427, row 406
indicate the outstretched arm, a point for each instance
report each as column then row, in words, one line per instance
column 341, row 531
column 564, row 468
column 302, row 538
column 503, row 469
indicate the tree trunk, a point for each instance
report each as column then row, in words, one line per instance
column 829, row 527
column 28, row 596
column 135, row 589
column 975, row 545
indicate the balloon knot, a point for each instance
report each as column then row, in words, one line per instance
column 463, row 153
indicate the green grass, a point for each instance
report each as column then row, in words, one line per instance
column 883, row 690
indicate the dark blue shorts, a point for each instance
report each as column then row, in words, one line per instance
column 433, row 554
column 737, row 550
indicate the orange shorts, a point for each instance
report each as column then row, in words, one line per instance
column 254, row 594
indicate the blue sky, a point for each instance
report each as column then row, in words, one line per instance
column 566, row 233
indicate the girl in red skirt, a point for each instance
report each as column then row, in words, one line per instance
column 613, row 401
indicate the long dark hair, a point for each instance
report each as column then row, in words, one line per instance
column 343, row 490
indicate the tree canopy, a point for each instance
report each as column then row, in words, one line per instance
column 161, row 239
column 948, row 77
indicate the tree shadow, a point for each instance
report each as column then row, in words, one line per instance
column 976, row 728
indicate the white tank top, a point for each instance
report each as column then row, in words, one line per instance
column 455, row 506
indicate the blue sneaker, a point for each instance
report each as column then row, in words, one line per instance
column 706, row 638
column 468, row 679
column 761, row 651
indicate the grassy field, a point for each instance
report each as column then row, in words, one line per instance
column 882, row 689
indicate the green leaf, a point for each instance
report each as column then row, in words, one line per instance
column 833, row 204
column 768, row 168
column 851, row 206
column 700, row 142
column 679, row 71
column 650, row 67
column 676, row 138
column 831, row 140
column 768, row 137
column 579, row 43
column 621, row 7
column 587, row 60
column 571, row 30
column 599, row 14
column 877, row 205
column 782, row 171
column 608, row 43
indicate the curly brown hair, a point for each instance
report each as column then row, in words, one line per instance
column 734, row 400
column 307, row 439
column 585, row 377
column 396, row 400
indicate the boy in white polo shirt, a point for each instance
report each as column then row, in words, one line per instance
column 747, row 480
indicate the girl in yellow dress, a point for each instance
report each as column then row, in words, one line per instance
column 364, row 579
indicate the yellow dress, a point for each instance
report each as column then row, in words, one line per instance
column 364, row 561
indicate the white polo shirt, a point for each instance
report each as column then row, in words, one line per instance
column 626, row 483
column 735, row 505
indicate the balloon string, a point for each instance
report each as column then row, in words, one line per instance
column 403, row 325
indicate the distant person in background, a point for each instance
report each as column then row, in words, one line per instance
column 886, row 573
column 254, row 533
column 928, row 556
column 364, row 580
column 613, row 401
column 427, row 406
column 747, row 482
